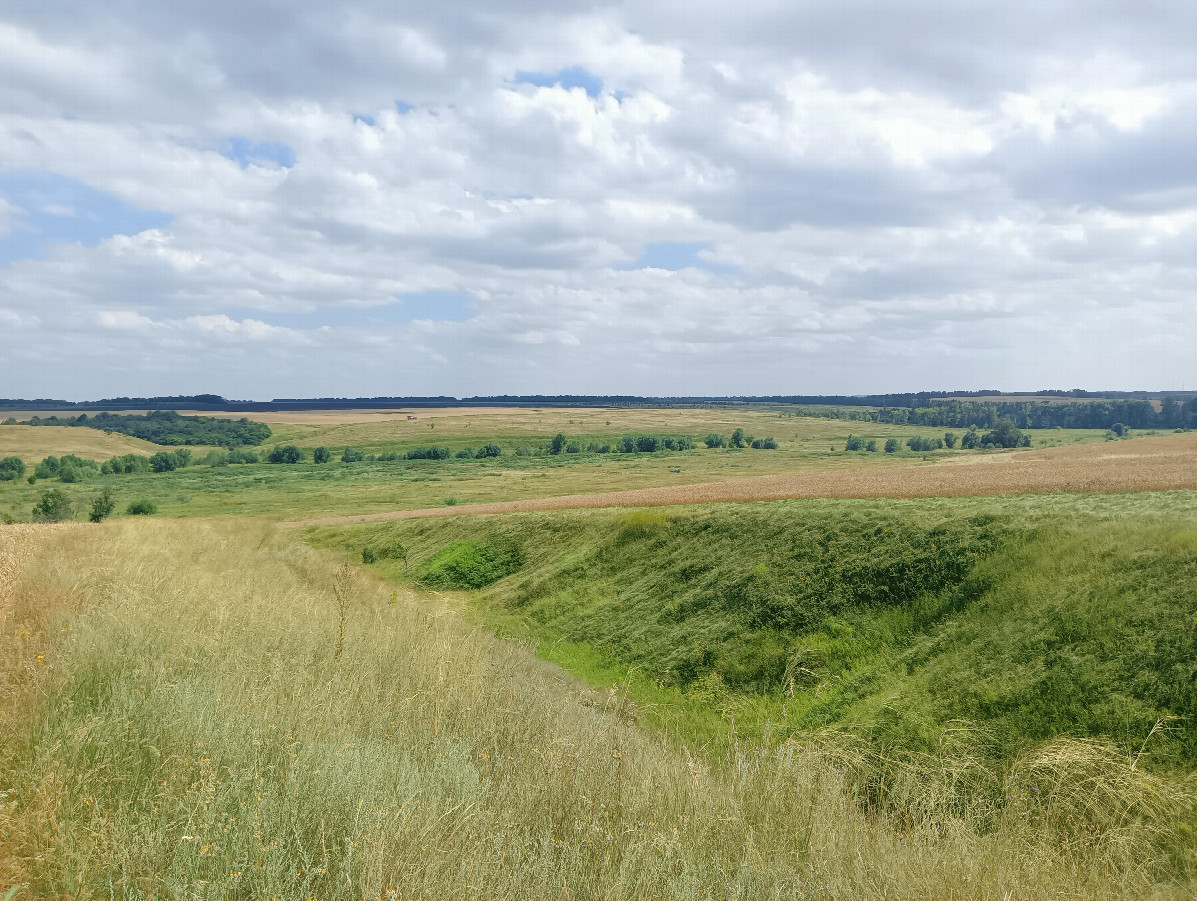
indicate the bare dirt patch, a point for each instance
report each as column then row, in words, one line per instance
column 1151, row 464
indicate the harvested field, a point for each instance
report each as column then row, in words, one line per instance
column 32, row 443
column 1149, row 464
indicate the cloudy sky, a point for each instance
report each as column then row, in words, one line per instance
column 281, row 199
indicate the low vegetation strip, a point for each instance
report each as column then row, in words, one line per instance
column 226, row 714
column 164, row 427
column 1166, row 463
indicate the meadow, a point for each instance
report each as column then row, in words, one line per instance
column 220, row 712
column 839, row 696
column 307, row 490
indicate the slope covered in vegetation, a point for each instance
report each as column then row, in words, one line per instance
column 1011, row 620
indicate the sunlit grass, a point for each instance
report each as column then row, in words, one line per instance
column 191, row 731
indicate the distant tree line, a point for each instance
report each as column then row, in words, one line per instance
column 167, row 427
column 1004, row 434
column 1103, row 414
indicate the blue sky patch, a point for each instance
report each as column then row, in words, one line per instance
column 446, row 306
column 256, row 153
column 573, row 77
column 53, row 209
column 403, row 107
column 362, row 117
column 678, row 255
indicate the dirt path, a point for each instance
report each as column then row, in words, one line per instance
column 1145, row 464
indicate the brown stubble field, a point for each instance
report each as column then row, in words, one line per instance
column 1164, row 463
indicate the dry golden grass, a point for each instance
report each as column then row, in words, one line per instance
column 32, row 443
column 365, row 428
column 28, row 622
column 215, row 745
column 1165, row 463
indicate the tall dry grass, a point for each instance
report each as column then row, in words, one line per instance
column 209, row 732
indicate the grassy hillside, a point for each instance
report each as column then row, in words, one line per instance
column 211, row 710
column 32, row 443
column 1007, row 620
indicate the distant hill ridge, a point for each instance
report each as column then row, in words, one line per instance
column 907, row 399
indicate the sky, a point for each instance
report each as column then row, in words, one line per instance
column 268, row 199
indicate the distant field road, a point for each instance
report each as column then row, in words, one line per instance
column 1145, row 464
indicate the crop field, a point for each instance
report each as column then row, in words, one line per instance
column 800, row 672
column 32, row 444
column 1152, row 464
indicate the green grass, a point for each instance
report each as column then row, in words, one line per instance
column 309, row 490
column 1020, row 619
column 179, row 721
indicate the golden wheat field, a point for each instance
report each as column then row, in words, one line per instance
column 1165, row 463
column 32, row 443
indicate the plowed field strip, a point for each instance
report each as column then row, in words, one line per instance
column 1146, row 464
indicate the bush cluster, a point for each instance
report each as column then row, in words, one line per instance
column 67, row 468
column 857, row 443
column 739, row 439
column 285, row 453
column 429, row 453
column 168, row 427
column 11, row 469
column 53, row 506
column 169, row 461
column 919, row 443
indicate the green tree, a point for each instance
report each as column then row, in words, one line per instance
column 949, row 438
column 871, row 445
column 11, row 469
column 321, row 455
column 53, row 506
column 891, row 446
column 737, row 438
column 101, row 507
column 1005, row 434
column 285, row 453
column 47, row 469
column 854, row 443
column 715, row 440
column 490, row 450
column 352, row 456
column 558, row 444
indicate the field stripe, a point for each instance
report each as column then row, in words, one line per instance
column 1166, row 463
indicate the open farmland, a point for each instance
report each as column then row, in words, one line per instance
column 523, row 471
column 1150, row 464
column 32, row 443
